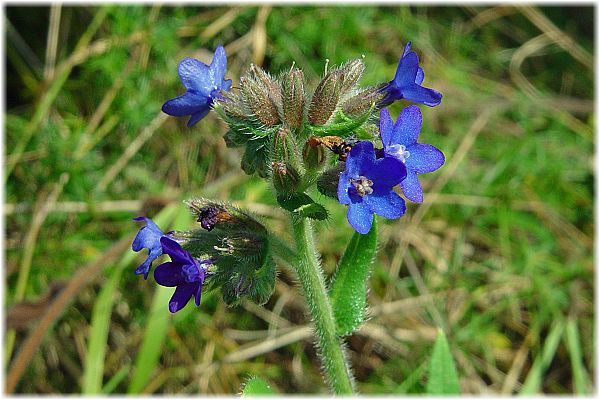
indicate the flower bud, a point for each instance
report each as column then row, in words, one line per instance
column 233, row 105
column 352, row 72
column 362, row 102
column 285, row 177
column 325, row 98
column 259, row 100
column 293, row 97
column 313, row 155
column 272, row 87
column 211, row 214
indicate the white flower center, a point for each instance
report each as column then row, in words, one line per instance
column 362, row 185
column 398, row 151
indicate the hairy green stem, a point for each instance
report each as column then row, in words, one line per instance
column 332, row 352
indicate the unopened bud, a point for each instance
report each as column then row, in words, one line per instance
column 362, row 102
column 352, row 72
column 233, row 105
column 271, row 85
column 259, row 101
column 293, row 98
column 285, row 177
column 313, row 155
column 212, row 215
column 325, row 98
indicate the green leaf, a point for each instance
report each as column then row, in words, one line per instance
column 348, row 289
column 443, row 378
column 302, row 205
column 257, row 387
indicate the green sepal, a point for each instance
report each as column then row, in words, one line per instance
column 302, row 205
column 348, row 288
column 343, row 126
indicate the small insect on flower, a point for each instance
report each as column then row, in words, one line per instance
column 147, row 238
column 203, row 83
column 400, row 142
column 366, row 186
column 407, row 83
column 184, row 272
column 339, row 146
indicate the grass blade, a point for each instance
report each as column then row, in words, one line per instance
column 533, row 382
column 443, row 378
column 581, row 383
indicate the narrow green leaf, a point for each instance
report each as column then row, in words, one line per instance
column 156, row 329
column 348, row 289
column 443, row 379
column 581, row 382
column 533, row 382
column 101, row 314
column 117, row 378
column 257, row 387
column 302, row 205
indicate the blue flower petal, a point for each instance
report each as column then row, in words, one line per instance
column 218, row 65
column 182, row 296
column 386, row 173
column 406, row 49
column 186, row 104
column 343, row 186
column 420, row 94
column 148, row 237
column 407, row 71
column 174, row 250
column 198, row 115
column 360, row 217
column 226, row 85
column 168, row 274
column 196, row 76
column 198, row 293
column 407, row 126
column 411, row 187
column 385, row 126
column 424, row 158
column 390, row 206
column 420, row 76
column 361, row 157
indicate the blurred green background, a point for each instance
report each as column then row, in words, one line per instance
column 499, row 255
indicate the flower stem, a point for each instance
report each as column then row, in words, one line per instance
column 332, row 352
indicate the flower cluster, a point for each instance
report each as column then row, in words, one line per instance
column 338, row 137
column 184, row 272
column 229, row 251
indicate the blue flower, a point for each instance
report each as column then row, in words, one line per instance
column 407, row 82
column 147, row 238
column 400, row 141
column 366, row 186
column 184, row 272
column 203, row 83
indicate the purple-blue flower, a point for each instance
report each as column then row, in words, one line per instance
column 366, row 186
column 400, row 141
column 147, row 238
column 184, row 271
column 407, row 82
column 203, row 83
